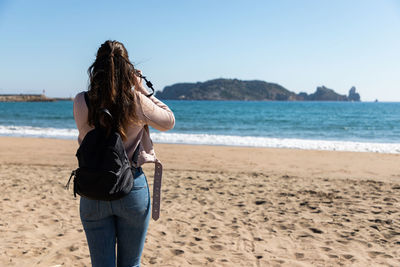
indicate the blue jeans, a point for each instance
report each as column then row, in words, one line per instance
column 123, row 222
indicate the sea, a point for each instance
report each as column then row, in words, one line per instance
column 341, row 126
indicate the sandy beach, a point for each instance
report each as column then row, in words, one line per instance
column 221, row 206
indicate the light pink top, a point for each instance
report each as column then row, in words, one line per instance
column 149, row 110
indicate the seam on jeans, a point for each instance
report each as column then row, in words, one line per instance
column 137, row 187
column 111, row 207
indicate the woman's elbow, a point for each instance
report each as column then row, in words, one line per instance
column 169, row 124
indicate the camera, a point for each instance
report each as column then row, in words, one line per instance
column 148, row 83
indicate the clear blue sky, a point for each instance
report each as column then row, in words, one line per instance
column 298, row 44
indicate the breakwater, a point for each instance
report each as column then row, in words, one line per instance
column 28, row 98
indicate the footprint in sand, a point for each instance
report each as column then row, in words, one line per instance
column 348, row 256
column 210, row 259
column 299, row 255
column 345, row 242
column 177, row 252
column 73, row 248
column 217, row 247
column 316, row 231
column 153, row 260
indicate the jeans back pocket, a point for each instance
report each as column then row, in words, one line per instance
column 89, row 209
column 137, row 201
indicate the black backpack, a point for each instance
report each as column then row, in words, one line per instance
column 105, row 171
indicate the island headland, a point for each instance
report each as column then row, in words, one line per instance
column 234, row 89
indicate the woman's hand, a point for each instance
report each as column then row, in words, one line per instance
column 138, row 83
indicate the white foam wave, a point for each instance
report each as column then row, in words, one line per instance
column 29, row 131
column 251, row 141
column 221, row 140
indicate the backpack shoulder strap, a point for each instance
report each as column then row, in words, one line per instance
column 103, row 111
column 135, row 156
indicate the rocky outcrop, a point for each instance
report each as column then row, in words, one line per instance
column 325, row 94
column 353, row 96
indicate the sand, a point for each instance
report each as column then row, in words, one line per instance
column 221, row 206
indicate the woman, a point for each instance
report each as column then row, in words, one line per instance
column 117, row 86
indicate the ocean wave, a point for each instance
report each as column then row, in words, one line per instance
column 252, row 141
column 29, row 131
column 220, row 140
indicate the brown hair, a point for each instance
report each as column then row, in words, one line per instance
column 111, row 78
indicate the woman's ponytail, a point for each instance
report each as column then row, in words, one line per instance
column 112, row 78
column 111, row 82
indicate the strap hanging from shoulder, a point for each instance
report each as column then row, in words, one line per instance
column 102, row 111
column 135, row 156
column 157, row 191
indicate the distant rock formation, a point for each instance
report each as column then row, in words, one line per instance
column 325, row 94
column 322, row 94
column 353, row 96
column 234, row 89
